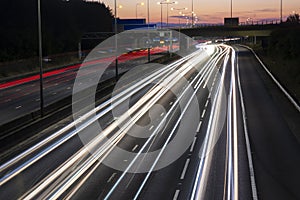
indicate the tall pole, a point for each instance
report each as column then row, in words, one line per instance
column 136, row 10
column 231, row 9
column 40, row 58
column 116, row 43
column 167, row 14
column 192, row 13
column 148, row 11
column 160, row 14
column 280, row 11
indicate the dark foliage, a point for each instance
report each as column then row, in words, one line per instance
column 63, row 23
column 293, row 19
column 285, row 41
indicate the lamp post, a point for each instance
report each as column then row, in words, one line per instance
column 192, row 13
column 280, row 11
column 179, row 9
column 167, row 2
column 188, row 17
column 148, row 12
column 136, row 6
column 40, row 58
column 116, row 41
column 231, row 9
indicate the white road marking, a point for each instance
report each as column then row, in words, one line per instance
column 68, row 88
column 111, row 177
column 209, row 95
column 250, row 162
column 171, row 103
column 275, row 80
column 203, row 113
column 54, row 93
column 37, row 100
column 18, row 107
column 193, row 144
column 185, row 168
column 134, row 148
column 199, row 126
column 206, row 104
column 151, row 128
column 125, row 160
column 176, row 194
column 162, row 114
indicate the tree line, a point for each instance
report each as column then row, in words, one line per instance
column 63, row 24
column 284, row 42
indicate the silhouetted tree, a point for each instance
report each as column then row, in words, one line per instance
column 293, row 19
column 63, row 23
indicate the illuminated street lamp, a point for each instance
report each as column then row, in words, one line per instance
column 40, row 58
column 136, row 6
column 179, row 9
column 231, row 9
column 248, row 20
column 280, row 11
column 192, row 13
column 116, row 40
column 167, row 2
column 148, row 11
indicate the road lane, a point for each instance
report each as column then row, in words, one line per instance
column 54, row 166
column 215, row 165
column 56, row 87
column 275, row 148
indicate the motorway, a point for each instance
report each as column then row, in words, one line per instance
column 202, row 127
column 22, row 96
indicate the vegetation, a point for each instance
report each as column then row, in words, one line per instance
column 282, row 54
column 293, row 19
column 63, row 23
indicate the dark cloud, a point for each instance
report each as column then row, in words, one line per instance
column 266, row 10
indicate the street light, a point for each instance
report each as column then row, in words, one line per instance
column 148, row 12
column 138, row 4
column 189, row 17
column 280, row 11
column 167, row 2
column 179, row 9
column 40, row 58
column 116, row 40
column 231, row 10
column 192, row 13
column 248, row 20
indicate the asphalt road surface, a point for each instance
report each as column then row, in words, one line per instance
column 203, row 127
column 275, row 147
column 20, row 98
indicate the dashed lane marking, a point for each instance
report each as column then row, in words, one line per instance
column 111, row 177
column 206, row 104
column 199, row 126
column 203, row 113
column 176, row 195
column 151, row 128
column 193, row 144
column 185, row 168
column 134, row 148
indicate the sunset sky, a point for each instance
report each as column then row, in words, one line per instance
column 210, row 11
